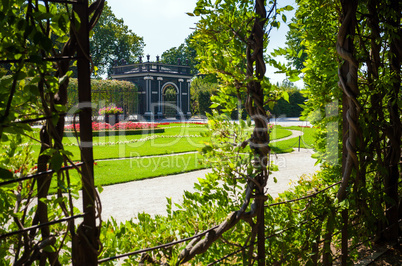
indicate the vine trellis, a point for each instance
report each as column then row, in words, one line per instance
column 39, row 58
column 54, row 163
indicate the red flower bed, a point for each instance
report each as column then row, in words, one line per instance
column 118, row 126
column 101, row 126
column 132, row 125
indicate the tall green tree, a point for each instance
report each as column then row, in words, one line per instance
column 292, row 106
column 185, row 52
column 112, row 41
column 202, row 89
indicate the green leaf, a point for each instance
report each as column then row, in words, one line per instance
column 48, row 152
column 288, row 8
column 214, row 105
column 300, row 53
column 294, row 78
column 49, row 249
column 56, row 161
column 20, row 75
column 62, row 23
column 60, row 108
column 5, row 174
column 284, row 18
column 66, row 153
column 4, row 137
column 285, row 96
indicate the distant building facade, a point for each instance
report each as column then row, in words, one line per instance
column 163, row 90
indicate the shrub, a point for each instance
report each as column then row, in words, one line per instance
column 107, row 93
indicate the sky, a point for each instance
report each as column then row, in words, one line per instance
column 164, row 24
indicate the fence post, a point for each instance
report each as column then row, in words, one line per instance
column 345, row 238
column 85, row 251
column 299, row 142
column 261, row 230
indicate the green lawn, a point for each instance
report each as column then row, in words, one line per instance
column 175, row 139
column 126, row 170
column 119, row 171
column 110, row 172
column 306, row 141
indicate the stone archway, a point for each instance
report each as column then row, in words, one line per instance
column 169, row 99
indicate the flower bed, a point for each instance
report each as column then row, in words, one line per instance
column 121, row 128
column 110, row 111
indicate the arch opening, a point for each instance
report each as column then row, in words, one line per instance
column 169, row 94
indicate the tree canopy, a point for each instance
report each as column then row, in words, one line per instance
column 185, row 52
column 112, row 41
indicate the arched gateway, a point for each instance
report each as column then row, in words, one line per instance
column 163, row 90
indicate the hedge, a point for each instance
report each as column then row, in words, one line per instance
column 107, row 93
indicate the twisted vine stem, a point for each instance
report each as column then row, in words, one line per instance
column 259, row 141
column 347, row 73
column 50, row 133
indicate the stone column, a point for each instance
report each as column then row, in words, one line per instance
column 188, row 98
column 148, row 95
column 179, row 101
column 160, row 115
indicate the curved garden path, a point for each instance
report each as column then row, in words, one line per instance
column 295, row 133
column 124, row 201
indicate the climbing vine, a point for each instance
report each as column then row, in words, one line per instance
column 355, row 107
column 39, row 41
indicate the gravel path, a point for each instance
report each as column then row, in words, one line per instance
column 124, row 201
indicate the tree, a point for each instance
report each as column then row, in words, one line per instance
column 185, row 53
column 292, row 106
column 112, row 41
column 202, row 89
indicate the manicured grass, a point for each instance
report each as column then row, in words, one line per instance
column 278, row 132
column 126, row 170
column 147, row 144
column 306, row 141
column 119, row 171
column 151, row 147
column 111, row 172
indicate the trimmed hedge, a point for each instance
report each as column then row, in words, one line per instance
column 106, row 93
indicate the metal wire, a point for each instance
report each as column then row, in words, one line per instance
column 157, row 247
column 302, row 198
column 41, row 225
column 39, row 174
